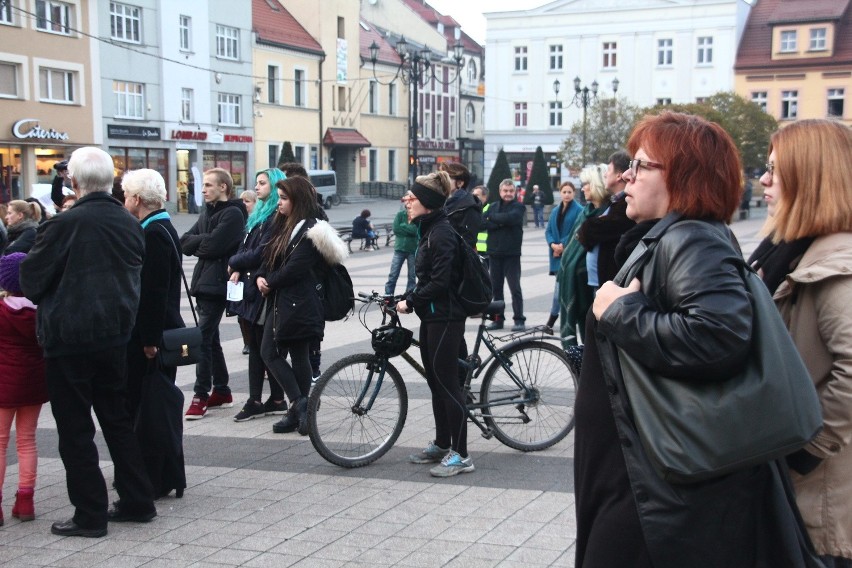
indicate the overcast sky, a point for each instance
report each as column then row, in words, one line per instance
column 469, row 12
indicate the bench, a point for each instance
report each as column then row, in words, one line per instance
column 382, row 230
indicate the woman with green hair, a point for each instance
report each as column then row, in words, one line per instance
column 249, row 310
column 575, row 295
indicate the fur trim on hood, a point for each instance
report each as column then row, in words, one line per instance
column 326, row 240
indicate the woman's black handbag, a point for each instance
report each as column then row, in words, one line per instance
column 181, row 346
column 697, row 430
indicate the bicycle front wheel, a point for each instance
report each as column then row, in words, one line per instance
column 345, row 427
column 534, row 409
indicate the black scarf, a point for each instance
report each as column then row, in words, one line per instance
column 777, row 261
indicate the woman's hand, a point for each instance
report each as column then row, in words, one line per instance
column 557, row 249
column 235, row 277
column 262, row 285
column 403, row 307
column 150, row 351
column 609, row 293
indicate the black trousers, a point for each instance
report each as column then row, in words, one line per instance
column 256, row 366
column 76, row 385
column 439, row 349
column 508, row 268
column 295, row 379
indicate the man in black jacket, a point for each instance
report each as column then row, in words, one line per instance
column 84, row 274
column 504, row 221
column 214, row 238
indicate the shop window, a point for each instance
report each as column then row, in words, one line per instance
column 124, row 159
column 234, row 162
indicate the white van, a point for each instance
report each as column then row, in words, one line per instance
column 326, row 183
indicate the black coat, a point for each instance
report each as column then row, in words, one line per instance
column 606, row 231
column 247, row 261
column 464, row 212
column 21, row 237
column 214, row 238
column 505, row 225
column 692, row 320
column 84, row 274
column 437, row 264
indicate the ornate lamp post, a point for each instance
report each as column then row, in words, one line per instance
column 583, row 97
column 414, row 69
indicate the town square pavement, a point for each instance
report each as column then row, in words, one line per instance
column 260, row 499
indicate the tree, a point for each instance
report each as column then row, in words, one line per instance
column 608, row 125
column 540, row 177
column 287, row 155
column 499, row 172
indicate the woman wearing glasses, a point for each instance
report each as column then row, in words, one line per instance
column 686, row 314
column 805, row 261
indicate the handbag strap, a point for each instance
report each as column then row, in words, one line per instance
column 185, row 284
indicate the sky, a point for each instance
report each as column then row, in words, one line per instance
column 469, row 12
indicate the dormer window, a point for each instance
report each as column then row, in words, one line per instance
column 817, row 39
column 788, row 41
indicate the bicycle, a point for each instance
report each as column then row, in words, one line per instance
column 358, row 407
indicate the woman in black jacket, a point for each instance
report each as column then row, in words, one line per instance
column 438, row 266
column 22, row 218
column 298, row 248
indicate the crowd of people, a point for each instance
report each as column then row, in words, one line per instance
column 686, row 312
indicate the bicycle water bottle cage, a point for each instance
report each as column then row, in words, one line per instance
column 390, row 340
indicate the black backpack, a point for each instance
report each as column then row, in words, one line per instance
column 334, row 287
column 474, row 292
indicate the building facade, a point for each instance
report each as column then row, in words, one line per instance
column 797, row 63
column 661, row 51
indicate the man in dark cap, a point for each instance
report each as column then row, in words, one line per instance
column 60, row 181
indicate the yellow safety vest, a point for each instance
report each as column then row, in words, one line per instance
column 482, row 237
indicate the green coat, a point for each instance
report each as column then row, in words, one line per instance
column 405, row 234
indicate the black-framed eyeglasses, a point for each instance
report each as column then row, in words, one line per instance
column 634, row 165
column 770, row 168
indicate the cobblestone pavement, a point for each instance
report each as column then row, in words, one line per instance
column 260, row 499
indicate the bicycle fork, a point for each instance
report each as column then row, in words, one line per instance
column 377, row 369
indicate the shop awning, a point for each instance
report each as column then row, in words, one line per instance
column 344, row 137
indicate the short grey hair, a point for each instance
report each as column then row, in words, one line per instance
column 146, row 184
column 92, row 169
column 507, row 181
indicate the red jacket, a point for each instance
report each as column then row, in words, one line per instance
column 22, row 380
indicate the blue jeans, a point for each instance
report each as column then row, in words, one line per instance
column 554, row 307
column 538, row 215
column 211, row 369
column 396, row 267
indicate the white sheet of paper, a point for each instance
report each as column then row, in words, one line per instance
column 235, row 291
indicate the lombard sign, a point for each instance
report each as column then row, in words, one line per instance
column 198, row 135
column 28, row 128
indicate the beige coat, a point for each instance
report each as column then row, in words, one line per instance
column 816, row 304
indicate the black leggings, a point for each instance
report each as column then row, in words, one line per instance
column 295, row 380
column 439, row 349
column 253, row 337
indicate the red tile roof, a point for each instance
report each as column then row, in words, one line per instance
column 344, row 137
column 432, row 16
column 369, row 34
column 274, row 25
column 755, row 50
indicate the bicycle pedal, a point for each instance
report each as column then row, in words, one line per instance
column 487, row 434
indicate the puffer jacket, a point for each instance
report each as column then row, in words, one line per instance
column 814, row 303
column 297, row 310
column 22, row 380
column 437, row 264
column 693, row 320
column 213, row 239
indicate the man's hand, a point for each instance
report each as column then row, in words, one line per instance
column 610, row 292
column 403, row 307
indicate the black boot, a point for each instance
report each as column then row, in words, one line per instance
column 302, row 406
column 289, row 423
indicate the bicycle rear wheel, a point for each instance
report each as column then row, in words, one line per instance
column 341, row 429
column 537, row 420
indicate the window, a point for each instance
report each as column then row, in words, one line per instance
column 392, row 99
column 664, row 52
column 835, row 102
column 520, row 115
column 184, row 29
column 664, row 102
column 817, row 39
column 521, row 58
column 53, row 17
column 556, row 113
column 8, row 80
column 227, row 42
column 341, row 27
column 229, row 109
column 705, row 50
column 373, row 98
column 610, row 54
column 299, row 154
column 186, row 96
column 789, row 104
column 427, row 124
column 391, row 165
column 472, row 76
column 555, row 57
column 341, row 98
column 129, row 101
column 124, row 22
column 272, row 155
column 6, row 13
column 759, row 98
column 299, row 88
column 56, row 85
column 788, row 41
column 700, row 100
column 469, row 117
column 374, row 164
column 271, row 85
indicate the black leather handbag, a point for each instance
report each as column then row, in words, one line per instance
column 697, row 430
column 181, row 346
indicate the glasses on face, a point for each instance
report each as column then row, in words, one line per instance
column 409, row 197
column 634, row 166
column 770, row 168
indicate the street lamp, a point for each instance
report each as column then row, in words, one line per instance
column 415, row 68
column 583, row 97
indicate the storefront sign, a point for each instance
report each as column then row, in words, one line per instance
column 189, row 135
column 134, row 132
column 436, row 144
column 30, row 128
column 236, row 138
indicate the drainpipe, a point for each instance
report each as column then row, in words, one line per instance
column 319, row 163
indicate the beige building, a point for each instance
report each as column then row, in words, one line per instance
column 47, row 99
column 795, row 61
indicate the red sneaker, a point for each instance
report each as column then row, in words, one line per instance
column 197, row 409
column 217, row 400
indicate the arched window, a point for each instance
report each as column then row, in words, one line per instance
column 472, row 76
column 469, row 117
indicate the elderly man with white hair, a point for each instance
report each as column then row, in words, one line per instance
column 84, row 274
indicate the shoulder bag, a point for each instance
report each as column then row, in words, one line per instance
column 693, row 431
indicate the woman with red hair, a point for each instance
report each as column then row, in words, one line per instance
column 680, row 308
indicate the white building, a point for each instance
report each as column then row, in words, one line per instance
column 661, row 51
